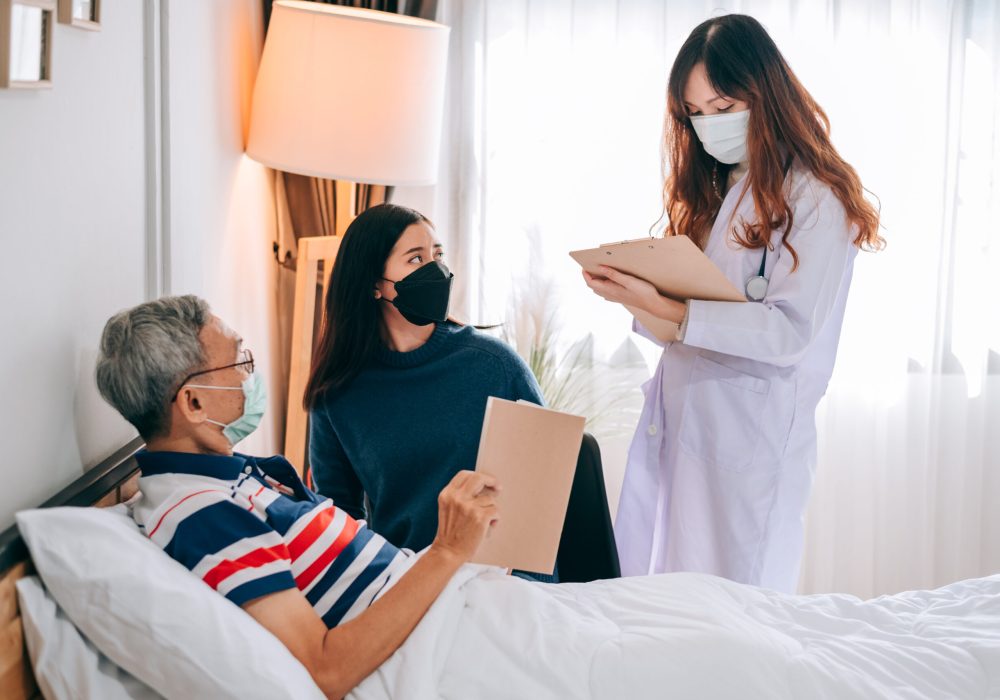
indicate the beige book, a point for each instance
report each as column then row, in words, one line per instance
column 677, row 267
column 532, row 451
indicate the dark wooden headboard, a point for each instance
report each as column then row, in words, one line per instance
column 110, row 482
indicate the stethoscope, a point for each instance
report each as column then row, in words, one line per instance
column 756, row 288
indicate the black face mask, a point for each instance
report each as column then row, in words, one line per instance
column 422, row 296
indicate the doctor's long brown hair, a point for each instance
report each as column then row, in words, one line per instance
column 742, row 62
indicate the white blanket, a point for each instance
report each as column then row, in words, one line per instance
column 693, row 636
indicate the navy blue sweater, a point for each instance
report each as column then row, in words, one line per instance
column 407, row 424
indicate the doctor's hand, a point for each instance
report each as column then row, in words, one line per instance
column 466, row 510
column 622, row 288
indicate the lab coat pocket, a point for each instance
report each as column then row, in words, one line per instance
column 723, row 411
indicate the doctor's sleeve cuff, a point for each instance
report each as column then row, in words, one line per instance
column 709, row 325
column 753, row 331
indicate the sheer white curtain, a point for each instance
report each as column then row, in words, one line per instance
column 552, row 142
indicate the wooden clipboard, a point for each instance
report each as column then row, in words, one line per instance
column 532, row 451
column 674, row 265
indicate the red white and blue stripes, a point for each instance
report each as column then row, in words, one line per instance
column 249, row 527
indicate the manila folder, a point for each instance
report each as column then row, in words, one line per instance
column 532, row 451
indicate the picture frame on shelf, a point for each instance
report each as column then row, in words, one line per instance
column 26, row 43
column 85, row 14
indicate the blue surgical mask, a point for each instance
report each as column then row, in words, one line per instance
column 254, row 405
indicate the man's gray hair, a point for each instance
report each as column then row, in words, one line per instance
column 146, row 351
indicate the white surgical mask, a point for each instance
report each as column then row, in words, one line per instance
column 724, row 136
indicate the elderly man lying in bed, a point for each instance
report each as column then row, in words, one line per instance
column 354, row 609
column 338, row 595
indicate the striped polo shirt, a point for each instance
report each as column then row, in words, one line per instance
column 249, row 527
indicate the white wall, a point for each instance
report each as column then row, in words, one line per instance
column 73, row 235
column 221, row 204
column 125, row 179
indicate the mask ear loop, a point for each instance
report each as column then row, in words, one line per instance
column 220, row 388
column 378, row 292
column 206, row 386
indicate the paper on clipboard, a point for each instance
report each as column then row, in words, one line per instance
column 532, row 451
column 674, row 265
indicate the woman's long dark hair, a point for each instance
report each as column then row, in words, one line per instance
column 350, row 336
column 742, row 62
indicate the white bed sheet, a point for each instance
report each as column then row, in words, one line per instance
column 693, row 636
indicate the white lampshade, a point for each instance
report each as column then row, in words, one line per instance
column 350, row 94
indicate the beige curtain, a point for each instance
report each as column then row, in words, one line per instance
column 307, row 206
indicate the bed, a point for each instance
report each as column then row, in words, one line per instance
column 110, row 482
column 681, row 635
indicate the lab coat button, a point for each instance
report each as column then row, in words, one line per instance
column 651, row 429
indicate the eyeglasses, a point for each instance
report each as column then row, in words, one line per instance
column 246, row 363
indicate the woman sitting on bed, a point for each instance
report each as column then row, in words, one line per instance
column 398, row 392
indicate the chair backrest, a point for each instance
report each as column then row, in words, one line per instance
column 587, row 550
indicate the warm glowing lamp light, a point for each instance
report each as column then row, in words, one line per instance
column 350, row 94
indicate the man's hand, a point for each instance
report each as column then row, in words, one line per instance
column 466, row 510
column 340, row 658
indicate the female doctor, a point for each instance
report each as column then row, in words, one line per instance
column 721, row 465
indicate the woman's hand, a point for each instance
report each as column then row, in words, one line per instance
column 466, row 510
column 625, row 289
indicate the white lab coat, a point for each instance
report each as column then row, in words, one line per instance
column 720, row 468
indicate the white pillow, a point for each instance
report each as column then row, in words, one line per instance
column 150, row 615
column 67, row 665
